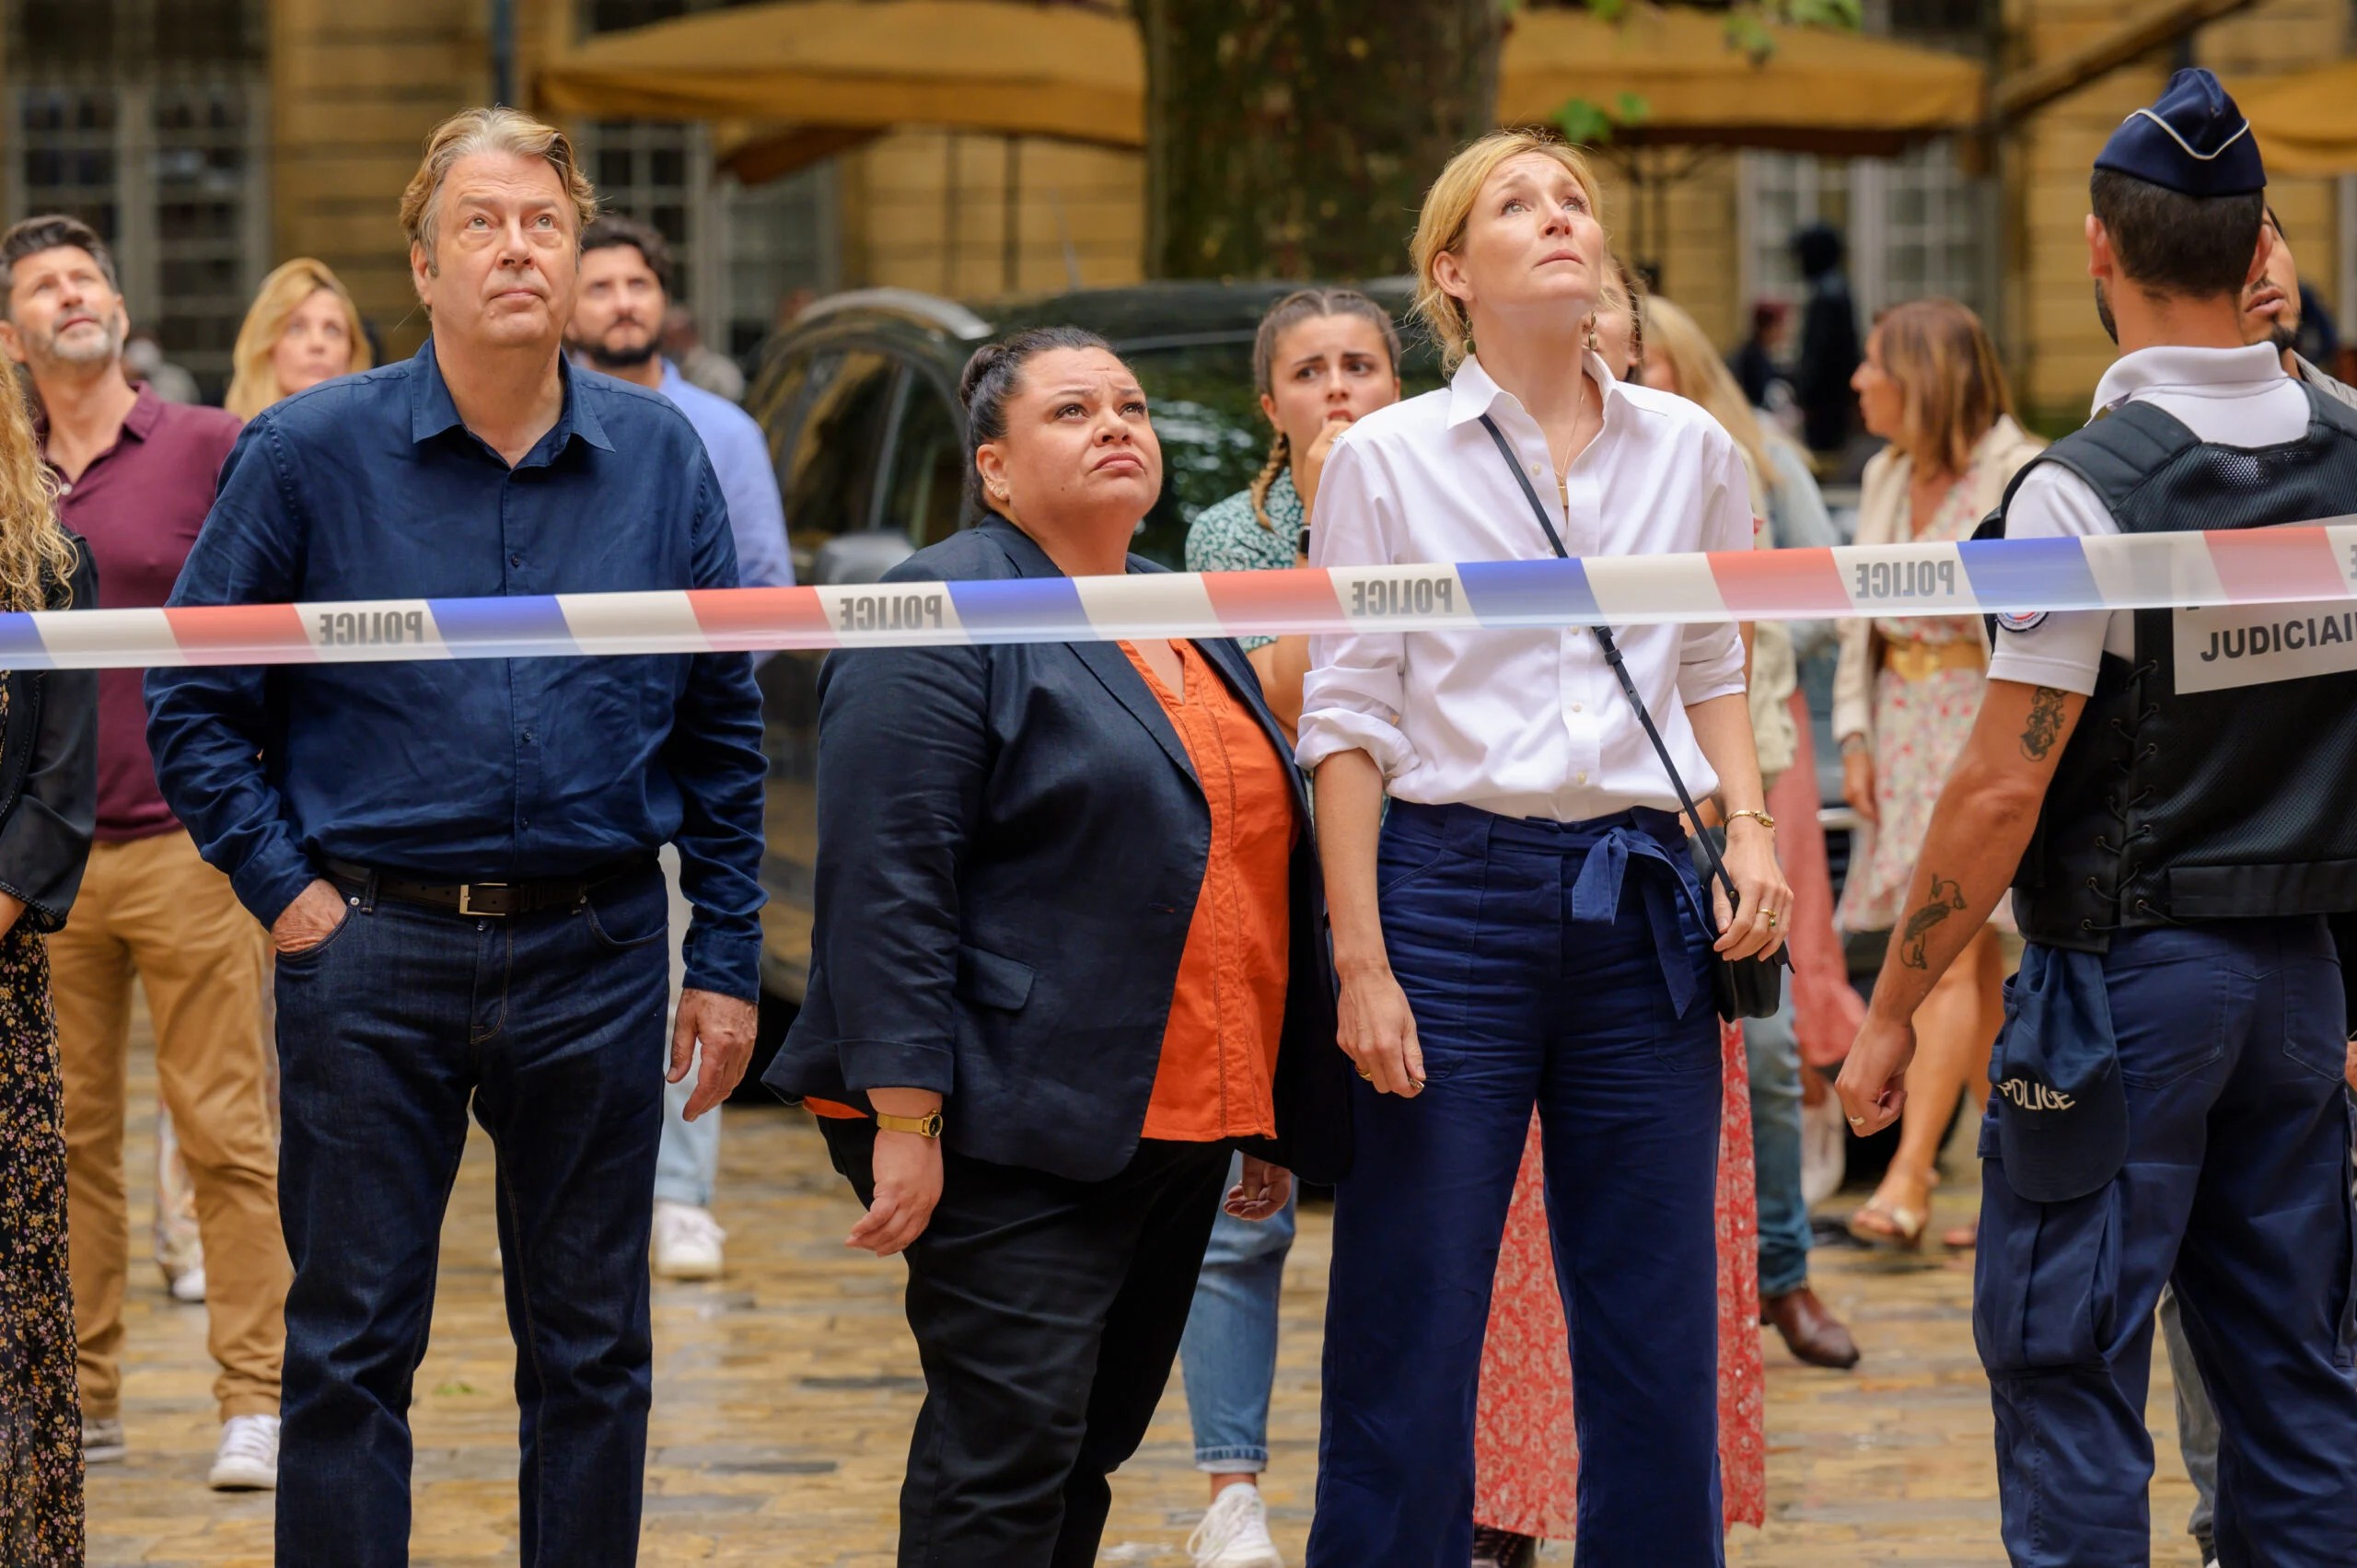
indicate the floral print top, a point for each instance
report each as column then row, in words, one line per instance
column 1227, row 537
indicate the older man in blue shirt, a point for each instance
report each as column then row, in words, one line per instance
column 457, row 858
column 618, row 328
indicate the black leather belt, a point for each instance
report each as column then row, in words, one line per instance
column 493, row 898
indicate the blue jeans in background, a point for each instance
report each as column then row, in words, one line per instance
column 687, row 1166
column 1774, row 1052
column 2197, row 1428
column 1229, row 1354
column 1561, row 964
column 688, row 1161
column 547, row 1026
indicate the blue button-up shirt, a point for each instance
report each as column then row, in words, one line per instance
column 460, row 770
column 740, row 456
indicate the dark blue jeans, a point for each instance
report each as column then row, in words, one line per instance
column 2237, row 1187
column 1564, row 966
column 551, row 1028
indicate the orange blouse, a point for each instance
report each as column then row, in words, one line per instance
column 1219, row 1052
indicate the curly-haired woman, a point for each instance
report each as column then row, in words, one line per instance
column 49, row 785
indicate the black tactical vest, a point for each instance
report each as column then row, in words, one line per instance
column 2236, row 797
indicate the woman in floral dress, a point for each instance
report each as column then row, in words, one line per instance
column 1907, row 694
column 48, row 802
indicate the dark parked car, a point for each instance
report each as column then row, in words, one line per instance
column 859, row 402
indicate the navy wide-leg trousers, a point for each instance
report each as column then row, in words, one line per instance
column 1564, row 966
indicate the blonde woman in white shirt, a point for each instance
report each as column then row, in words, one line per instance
column 1523, row 928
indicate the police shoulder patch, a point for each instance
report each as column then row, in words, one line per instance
column 2021, row 620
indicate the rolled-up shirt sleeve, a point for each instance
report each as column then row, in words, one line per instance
column 2062, row 650
column 1709, row 657
column 210, row 727
column 714, row 756
column 1350, row 699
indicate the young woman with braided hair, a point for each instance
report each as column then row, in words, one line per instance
column 1324, row 358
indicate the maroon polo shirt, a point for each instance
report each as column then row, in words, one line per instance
column 139, row 506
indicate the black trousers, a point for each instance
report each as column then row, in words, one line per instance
column 1046, row 1314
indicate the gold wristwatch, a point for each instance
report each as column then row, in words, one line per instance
column 1759, row 817
column 925, row 1126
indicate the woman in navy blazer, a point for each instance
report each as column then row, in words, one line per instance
column 1013, row 841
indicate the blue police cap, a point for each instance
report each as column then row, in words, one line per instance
column 2061, row 1109
column 2193, row 140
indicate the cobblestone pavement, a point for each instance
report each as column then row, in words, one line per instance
column 784, row 1393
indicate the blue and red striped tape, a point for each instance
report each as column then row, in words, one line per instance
column 2285, row 565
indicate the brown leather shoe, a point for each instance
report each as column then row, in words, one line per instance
column 1811, row 1332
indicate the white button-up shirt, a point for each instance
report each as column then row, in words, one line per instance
column 1524, row 721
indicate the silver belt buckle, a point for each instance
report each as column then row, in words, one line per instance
column 466, row 897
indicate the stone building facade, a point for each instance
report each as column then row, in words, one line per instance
column 212, row 138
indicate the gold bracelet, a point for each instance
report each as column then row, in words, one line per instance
column 1759, row 817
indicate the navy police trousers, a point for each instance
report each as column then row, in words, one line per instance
column 2236, row 1185
column 1561, row 967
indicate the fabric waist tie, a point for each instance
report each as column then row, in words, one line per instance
column 1596, row 900
column 1607, row 844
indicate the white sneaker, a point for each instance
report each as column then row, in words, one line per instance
column 247, row 1460
column 687, row 1242
column 188, row 1286
column 1234, row 1532
column 102, row 1441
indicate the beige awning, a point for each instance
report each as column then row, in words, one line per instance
column 965, row 64
column 1816, row 90
column 2305, row 121
column 1078, row 73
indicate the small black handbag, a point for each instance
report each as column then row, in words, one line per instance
column 1743, row 988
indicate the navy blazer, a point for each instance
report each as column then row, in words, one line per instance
column 1011, row 840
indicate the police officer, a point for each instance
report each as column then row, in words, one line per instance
column 2170, row 1103
column 2271, row 316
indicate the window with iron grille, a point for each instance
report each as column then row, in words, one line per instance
column 1916, row 226
column 147, row 120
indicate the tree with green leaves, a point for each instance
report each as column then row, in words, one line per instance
column 1295, row 138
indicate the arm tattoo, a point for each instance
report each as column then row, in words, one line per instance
column 2045, row 725
column 1946, row 899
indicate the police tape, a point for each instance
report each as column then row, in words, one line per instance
column 2022, row 579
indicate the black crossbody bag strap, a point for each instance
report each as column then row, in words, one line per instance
column 1612, row 657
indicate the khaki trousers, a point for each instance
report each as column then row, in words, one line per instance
column 152, row 910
